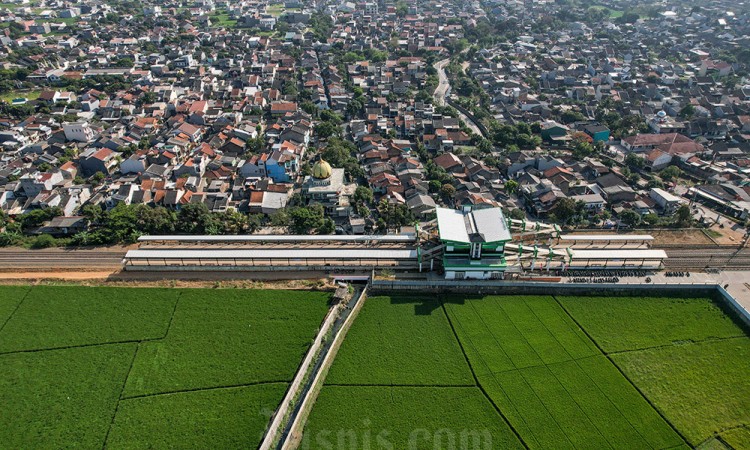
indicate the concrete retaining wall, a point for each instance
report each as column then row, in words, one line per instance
column 730, row 301
column 534, row 288
column 278, row 420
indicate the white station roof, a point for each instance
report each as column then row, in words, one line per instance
column 482, row 225
column 409, row 237
column 619, row 254
column 272, row 254
column 606, row 237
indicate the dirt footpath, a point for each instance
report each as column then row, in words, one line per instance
column 239, row 280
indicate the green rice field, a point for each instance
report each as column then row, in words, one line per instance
column 106, row 367
column 548, row 372
column 148, row 368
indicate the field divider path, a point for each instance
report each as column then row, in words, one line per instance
column 292, row 433
column 171, row 318
column 10, row 316
column 619, row 369
column 431, row 386
column 476, row 379
column 67, row 347
column 491, row 373
column 119, row 399
column 519, row 369
column 290, row 417
column 209, row 388
column 709, row 340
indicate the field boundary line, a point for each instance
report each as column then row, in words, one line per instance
column 619, row 369
column 212, row 388
column 522, row 337
column 428, row 386
column 536, row 366
column 491, row 374
column 687, row 343
column 586, row 374
column 476, row 379
column 719, row 436
column 26, row 294
column 174, row 311
column 119, row 398
column 68, row 347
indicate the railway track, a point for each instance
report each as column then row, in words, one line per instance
column 687, row 257
column 730, row 258
column 59, row 259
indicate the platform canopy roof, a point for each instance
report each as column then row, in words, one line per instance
column 475, row 226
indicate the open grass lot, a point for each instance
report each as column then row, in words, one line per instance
column 61, row 398
column 701, row 388
column 81, row 366
column 401, row 341
column 222, row 20
column 64, row 316
column 687, row 356
column 738, row 437
column 10, row 297
column 254, row 336
column 396, row 417
column 631, row 323
column 216, row 418
column 553, row 384
column 567, row 372
column 28, row 95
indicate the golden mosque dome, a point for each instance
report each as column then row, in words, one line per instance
column 321, row 170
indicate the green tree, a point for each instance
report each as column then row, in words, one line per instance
column 43, row 241
column 393, row 215
column 121, row 224
column 634, row 161
column 687, row 111
column 156, row 220
column 683, row 216
column 325, row 130
column 630, row 218
column 194, row 218
column 232, row 222
column 651, row 219
column 362, row 195
column 280, row 218
column 306, row 219
column 447, row 191
column 517, row 214
column 511, row 186
column 670, row 173
column 97, row 178
column 328, row 227
column 565, row 210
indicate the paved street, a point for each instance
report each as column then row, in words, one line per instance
column 738, row 282
column 444, row 88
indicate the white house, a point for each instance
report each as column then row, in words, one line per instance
column 78, row 131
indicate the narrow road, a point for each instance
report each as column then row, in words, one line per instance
column 443, row 90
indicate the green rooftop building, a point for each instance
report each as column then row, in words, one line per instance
column 474, row 243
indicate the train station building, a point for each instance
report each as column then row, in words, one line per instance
column 474, row 242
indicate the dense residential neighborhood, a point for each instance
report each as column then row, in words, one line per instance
column 374, row 224
column 128, row 118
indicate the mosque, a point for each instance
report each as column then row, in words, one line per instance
column 327, row 186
